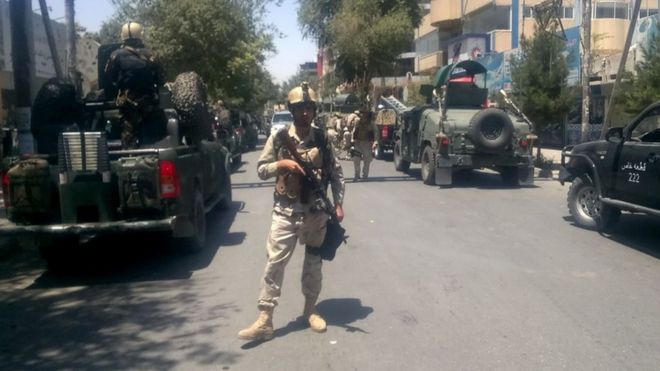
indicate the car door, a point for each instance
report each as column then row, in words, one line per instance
column 638, row 165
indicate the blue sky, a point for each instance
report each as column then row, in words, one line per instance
column 292, row 49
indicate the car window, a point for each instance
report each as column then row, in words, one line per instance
column 282, row 117
column 648, row 125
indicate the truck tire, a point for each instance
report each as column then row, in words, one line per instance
column 585, row 208
column 399, row 163
column 197, row 241
column 491, row 130
column 189, row 97
column 428, row 166
column 378, row 153
column 226, row 187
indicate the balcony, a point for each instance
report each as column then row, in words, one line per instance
column 500, row 40
column 445, row 14
column 429, row 62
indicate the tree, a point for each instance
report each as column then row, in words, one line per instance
column 314, row 17
column 368, row 36
column 645, row 84
column 538, row 75
column 224, row 41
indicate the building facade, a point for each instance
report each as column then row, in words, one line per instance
column 462, row 29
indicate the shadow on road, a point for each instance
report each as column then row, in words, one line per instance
column 129, row 306
column 479, row 179
column 142, row 257
column 336, row 312
column 639, row 232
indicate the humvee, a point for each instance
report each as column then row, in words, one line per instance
column 464, row 133
column 82, row 182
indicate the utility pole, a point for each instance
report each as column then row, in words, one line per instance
column 586, row 68
column 622, row 67
column 51, row 40
column 69, row 14
column 19, row 16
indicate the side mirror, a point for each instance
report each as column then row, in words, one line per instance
column 614, row 135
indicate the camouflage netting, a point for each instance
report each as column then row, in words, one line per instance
column 189, row 96
column 54, row 110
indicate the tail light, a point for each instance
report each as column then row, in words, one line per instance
column 385, row 132
column 5, row 188
column 523, row 143
column 444, row 142
column 169, row 180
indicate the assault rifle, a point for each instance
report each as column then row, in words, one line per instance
column 335, row 234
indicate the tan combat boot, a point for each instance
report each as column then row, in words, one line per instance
column 316, row 322
column 261, row 329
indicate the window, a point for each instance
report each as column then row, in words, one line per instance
column 528, row 12
column 567, row 12
column 650, row 9
column 611, row 10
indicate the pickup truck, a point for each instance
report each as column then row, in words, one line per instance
column 619, row 173
column 83, row 183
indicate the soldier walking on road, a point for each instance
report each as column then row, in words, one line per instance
column 364, row 136
column 137, row 76
column 295, row 217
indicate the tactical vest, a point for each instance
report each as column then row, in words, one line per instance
column 363, row 131
column 292, row 186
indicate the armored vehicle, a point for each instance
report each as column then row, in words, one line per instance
column 621, row 172
column 387, row 123
column 83, row 183
column 465, row 133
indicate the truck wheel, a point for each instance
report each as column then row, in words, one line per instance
column 428, row 166
column 237, row 161
column 585, row 208
column 378, row 153
column 226, row 190
column 59, row 252
column 197, row 241
column 491, row 130
column 399, row 163
column 510, row 175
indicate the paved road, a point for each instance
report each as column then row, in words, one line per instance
column 474, row 277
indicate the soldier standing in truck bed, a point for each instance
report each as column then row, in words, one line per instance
column 137, row 76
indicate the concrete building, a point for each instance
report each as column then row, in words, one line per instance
column 43, row 61
column 459, row 29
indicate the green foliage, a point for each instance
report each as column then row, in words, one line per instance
column 645, row 84
column 224, row 41
column 314, row 17
column 539, row 78
column 368, row 36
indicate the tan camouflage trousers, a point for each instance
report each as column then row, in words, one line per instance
column 285, row 232
column 364, row 146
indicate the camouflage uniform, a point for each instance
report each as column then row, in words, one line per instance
column 364, row 134
column 137, row 75
column 294, row 218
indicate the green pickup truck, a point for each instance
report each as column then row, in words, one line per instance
column 87, row 185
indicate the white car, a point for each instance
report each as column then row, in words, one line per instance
column 280, row 120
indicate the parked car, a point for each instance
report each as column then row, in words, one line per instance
column 280, row 119
column 619, row 173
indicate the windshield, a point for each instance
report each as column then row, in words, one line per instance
column 282, row 117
